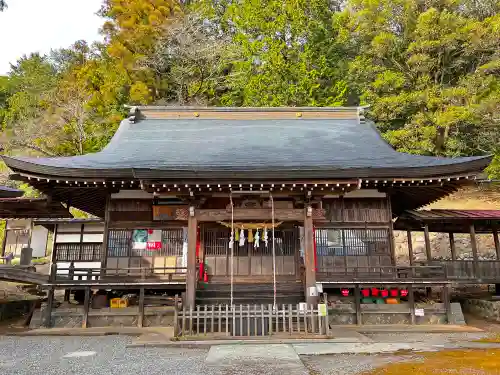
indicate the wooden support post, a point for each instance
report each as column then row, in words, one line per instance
column 427, row 239
column 357, row 304
column 452, row 246
column 86, row 307
column 473, row 244
column 104, row 249
column 410, row 246
column 497, row 243
column 191, row 261
column 447, row 303
column 411, row 301
column 47, row 318
column 309, row 258
column 140, row 318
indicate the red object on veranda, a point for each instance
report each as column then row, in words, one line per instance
column 394, row 292
column 375, row 292
column 384, row 293
column 404, row 292
column 205, row 277
column 345, row 292
column 202, row 270
column 365, row 292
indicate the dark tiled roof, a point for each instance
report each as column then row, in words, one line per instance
column 201, row 148
column 8, row 192
column 440, row 214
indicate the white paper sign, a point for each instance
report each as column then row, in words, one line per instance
column 319, row 287
column 419, row 312
column 313, row 292
column 303, row 307
column 321, row 309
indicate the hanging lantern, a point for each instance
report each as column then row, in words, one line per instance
column 375, row 292
column 404, row 292
column 344, row 292
column 384, row 293
column 365, row 292
column 394, row 292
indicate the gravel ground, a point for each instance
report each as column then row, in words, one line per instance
column 345, row 364
column 106, row 356
column 431, row 338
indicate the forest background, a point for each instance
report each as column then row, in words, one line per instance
column 428, row 69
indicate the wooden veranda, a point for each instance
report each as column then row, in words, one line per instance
column 471, row 222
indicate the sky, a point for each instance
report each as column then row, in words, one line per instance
column 41, row 25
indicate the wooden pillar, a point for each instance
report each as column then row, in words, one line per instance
column 140, row 318
column 357, row 304
column 191, row 261
column 452, row 246
column 427, row 243
column 410, row 246
column 47, row 316
column 86, row 307
column 497, row 243
column 104, row 251
column 411, row 302
column 4, row 240
column 473, row 244
column 309, row 258
column 447, row 303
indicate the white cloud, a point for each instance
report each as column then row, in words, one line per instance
column 41, row 25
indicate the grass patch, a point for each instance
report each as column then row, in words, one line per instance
column 484, row 362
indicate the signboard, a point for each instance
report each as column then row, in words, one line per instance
column 171, row 212
column 313, row 292
column 322, row 309
column 419, row 312
column 146, row 239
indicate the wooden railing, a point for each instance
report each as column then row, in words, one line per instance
column 384, row 273
column 470, row 269
column 252, row 320
column 72, row 273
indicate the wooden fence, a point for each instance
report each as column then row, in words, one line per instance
column 252, row 320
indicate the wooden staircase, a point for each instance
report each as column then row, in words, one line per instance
column 246, row 293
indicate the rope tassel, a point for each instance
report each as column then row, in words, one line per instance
column 242, row 238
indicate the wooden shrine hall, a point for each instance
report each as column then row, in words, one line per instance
column 246, row 201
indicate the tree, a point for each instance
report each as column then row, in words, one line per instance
column 289, row 55
column 132, row 30
column 429, row 72
column 194, row 58
column 3, row 5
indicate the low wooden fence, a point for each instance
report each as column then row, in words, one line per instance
column 252, row 320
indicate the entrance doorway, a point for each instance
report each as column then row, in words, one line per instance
column 249, row 259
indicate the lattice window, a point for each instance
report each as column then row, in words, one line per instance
column 338, row 242
column 119, row 242
column 74, row 252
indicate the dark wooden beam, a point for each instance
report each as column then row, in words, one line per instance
column 452, row 246
column 427, row 240
column 410, row 246
column 497, row 243
column 474, row 249
column 288, row 214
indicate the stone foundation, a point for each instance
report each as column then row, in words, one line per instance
column 394, row 314
column 71, row 317
column 15, row 309
column 482, row 308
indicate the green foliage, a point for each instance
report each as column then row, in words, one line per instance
column 429, row 69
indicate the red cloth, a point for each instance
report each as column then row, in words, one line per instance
column 365, row 292
column 384, row 293
column 315, row 255
column 375, row 292
column 394, row 292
